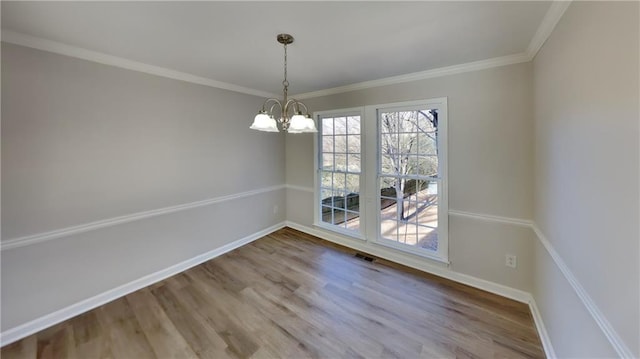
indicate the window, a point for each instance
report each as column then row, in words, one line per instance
column 339, row 170
column 403, row 178
column 409, row 177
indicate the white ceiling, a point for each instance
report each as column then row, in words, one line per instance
column 337, row 43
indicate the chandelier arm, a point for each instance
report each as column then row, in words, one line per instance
column 264, row 104
column 299, row 103
column 277, row 103
column 288, row 104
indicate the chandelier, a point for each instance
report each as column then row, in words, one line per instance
column 299, row 122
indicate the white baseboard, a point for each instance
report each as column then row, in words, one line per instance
column 542, row 331
column 26, row 329
column 417, row 263
column 495, row 288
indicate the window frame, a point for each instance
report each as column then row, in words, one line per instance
column 317, row 214
column 370, row 211
column 439, row 104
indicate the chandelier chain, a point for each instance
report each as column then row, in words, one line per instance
column 285, row 83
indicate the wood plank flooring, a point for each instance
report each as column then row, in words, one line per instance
column 290, row 295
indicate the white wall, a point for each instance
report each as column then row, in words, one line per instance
column 490, row 164
column 586, row 175
column 83, row 142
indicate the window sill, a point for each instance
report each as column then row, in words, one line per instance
column 343, row 232
column 382, row 244
column 401, row 248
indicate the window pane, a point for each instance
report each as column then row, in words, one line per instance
column 327, row 143
column 387, row 187
column 327, row 126
column 389, row 144
column 352, row 183
column 353, row 144
column 340, row 125
column 390, row 164
column 353, row 220
column 326, row 179
column 407, row 143
column 340, row 144
column 426, row 121
column 327, row 162
column 427, row 144
column 354, row 162
column 408, row 194
column 327, row 214
column 353, row 202
column 339, row 217
column 427, row 166
column 388, row 122
column 338, row 200
column 339, row 182
column 389, row 229
column 353, row 125
column 326, row 197
column 340, row 162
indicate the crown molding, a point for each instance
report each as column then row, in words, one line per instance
column 549, row 22
column 16, row 38
column 422, row 75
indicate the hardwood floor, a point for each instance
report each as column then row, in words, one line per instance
column 291, row 295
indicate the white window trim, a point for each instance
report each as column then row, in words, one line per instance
column 440, row 104
column 317, row 221
column 369, row 178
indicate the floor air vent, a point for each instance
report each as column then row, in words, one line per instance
column 364, row 257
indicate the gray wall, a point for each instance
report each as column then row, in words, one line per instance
column 84, row 142
column 490, row 164
column 586, row 174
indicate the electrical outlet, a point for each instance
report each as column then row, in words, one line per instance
column 275, row 209
column 511, row 260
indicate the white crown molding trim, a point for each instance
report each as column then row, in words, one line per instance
column 616, row 342
column 416, row 263
column 422, row 75
column 45, row 236
column 300, row 188
column 34, row 326
column 549, row 22
column 16, row 38
column 542, row 330
column 492, row 218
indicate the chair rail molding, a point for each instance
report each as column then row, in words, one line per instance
column 63, row 232
column 612, row 336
